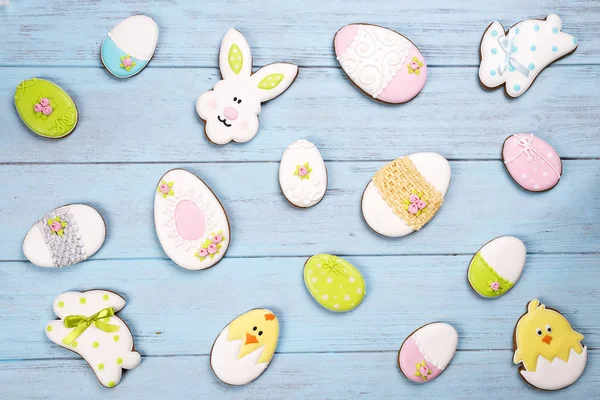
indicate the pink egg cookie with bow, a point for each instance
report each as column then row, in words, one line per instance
column 531, row 162
column 381, row 62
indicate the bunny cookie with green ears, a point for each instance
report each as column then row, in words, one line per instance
column 230, row 111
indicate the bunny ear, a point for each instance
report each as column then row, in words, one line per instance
column 235, row 58
column 273, row 79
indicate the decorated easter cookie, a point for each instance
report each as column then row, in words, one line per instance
column 230, row 111
column 497, row 266
column 244, row 349
column 531, row 162
column 517, row 57
column 89, row 326
column 45, row 108
column 65, row 236
column 426, row 353
column 382, row 63
column 190, row 221
column 129, row 46
column 406, row 193
column 302, row 174
column 549, row 350
column 334, row 283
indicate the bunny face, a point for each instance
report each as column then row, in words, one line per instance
column 230, row 111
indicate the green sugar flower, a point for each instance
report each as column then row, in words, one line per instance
column 303, row 171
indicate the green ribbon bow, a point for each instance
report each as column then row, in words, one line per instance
column 81, row 323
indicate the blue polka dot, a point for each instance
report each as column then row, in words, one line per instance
column 517, row 31
column 554, row 30
column 531, row 66
column 494, row 51
column 517, row 87
column 574, row 41
column 536, row 28
column 514, row 49
column 493, row 72
column 494, row 33
column 554, row 49
column 511, row 68
column 533, row 48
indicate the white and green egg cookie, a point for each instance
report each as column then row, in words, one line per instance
column 497, row 266
column 334, row 283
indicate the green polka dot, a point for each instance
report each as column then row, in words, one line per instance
column 110, row 384
column 100, row 366
column 61, row 304
column 82, row 300
column 49, row 328
column 74, row 344
column 105, row 297
column 116, row 338
column 119, row 361
column 95, row 345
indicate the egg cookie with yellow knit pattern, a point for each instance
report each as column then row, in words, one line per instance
column 244, row 349
column 548, row 348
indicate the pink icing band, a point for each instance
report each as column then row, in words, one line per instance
column 404, row 86
column 409, row 357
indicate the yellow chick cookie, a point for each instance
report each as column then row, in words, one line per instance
column 256, row 328
column 549, row 349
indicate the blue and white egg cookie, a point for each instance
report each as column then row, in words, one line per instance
column 129, row 46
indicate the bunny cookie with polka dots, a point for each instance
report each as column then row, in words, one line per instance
column 89, row 326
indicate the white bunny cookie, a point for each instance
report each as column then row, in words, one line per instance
column 230, row 111
column 519, row 55
column 89, row 326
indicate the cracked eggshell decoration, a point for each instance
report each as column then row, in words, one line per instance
column 302, row 174
column 406, row 193
column 382, row 63
column 191, row 223
column 426, row 353
column 230, row 111
column 531, row 162
column 89, row 326
column 244, row 349
column 45, row 108
column 497, row 266
column 516, row 57
column 129, row 46
column 548, row 349
column 334, row 283
column 65, row 236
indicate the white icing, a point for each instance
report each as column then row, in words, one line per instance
column 211, row 105
column 436, row 171
column 557, row 374
column 374, row 57
column 91, row 229
column 302, row 192
column 188, row 186
column 537, row 47
column 224, row 362
column 506, row 255
column 137, row 36
column 104, row 358
column 437, row 342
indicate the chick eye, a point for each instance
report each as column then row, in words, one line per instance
column 254, row 328
column 239, row 101
column 234, row 99
column 259, row 333
column 538, row 331
column 548, row 328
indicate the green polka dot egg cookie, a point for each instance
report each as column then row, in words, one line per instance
column 45, row 108
column 334, row 283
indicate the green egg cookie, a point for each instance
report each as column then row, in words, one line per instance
column 45, row 108
column 334, row 283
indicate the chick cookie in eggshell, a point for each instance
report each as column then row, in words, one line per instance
column 548, row 348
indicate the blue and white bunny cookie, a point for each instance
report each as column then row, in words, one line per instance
column 89, row 326
column 517, row 57
column 230, row 111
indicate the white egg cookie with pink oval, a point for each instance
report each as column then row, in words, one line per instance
column 406, row 193
column 230, row 111
column 302, row 174
column 191, row 223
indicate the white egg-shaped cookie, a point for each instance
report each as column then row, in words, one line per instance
column 190, row 221
column 65, row 236
column 302, row 174
column 406, row 193
column 244, row 349
column 497, row 266
column 426, row 353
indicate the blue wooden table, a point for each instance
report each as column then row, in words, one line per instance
column 132, row 131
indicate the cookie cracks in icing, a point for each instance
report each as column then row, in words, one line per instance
column 374, row 58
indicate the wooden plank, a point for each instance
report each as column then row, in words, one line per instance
column 132, row 121
column 290, row 376
column 263, row 223
column 173, row 311
column 448, row 33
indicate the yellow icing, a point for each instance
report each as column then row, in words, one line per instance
column 242, row 328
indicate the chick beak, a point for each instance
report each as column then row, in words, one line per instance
column 547, row 339
column 250, row 339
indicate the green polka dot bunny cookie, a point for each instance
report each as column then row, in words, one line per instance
column 88, row 326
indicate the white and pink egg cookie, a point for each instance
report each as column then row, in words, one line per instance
column 531, row 162
column 381, row 62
